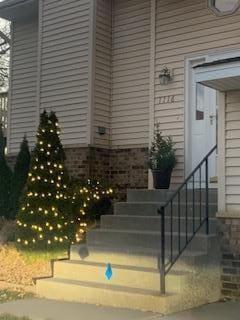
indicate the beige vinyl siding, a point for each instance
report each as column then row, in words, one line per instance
column 102, row 87
column 130, row 73
column 64, row 72
column 232, row 152
column 185, row 28
column 23, row 102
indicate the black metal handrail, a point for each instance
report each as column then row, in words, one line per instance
column 165, row 267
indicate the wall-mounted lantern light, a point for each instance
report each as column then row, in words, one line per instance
column 165, row 76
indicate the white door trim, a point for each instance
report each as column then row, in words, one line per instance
column 221, row 152
column 187, row 107
column 221, row 133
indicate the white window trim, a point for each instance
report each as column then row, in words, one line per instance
column 219, row 13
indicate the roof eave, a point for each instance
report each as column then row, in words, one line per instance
column 9, row 9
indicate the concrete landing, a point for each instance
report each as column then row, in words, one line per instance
column 41, row 309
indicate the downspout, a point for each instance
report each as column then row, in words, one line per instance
column 152, row 81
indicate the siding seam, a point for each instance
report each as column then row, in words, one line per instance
column 39, row 67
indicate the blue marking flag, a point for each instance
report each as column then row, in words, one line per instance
column 109, row 272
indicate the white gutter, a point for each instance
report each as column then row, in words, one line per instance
column 7, row 4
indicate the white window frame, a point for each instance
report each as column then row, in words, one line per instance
column 211, row 5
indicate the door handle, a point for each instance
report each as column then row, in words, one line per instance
column 212, row 117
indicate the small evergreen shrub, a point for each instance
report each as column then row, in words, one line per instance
column 162, row 153
column 5, row 181
column 20, row 175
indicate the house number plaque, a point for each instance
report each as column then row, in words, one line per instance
column 167, row 99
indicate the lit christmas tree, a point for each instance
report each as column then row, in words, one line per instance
column 44, row 220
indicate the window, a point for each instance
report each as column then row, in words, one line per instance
column 199, row 101
column 222, row 7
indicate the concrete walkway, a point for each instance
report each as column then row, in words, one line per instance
column 40, row 309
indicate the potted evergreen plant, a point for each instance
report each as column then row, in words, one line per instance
column 162, row 160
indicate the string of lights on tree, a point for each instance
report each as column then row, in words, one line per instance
column 44, row 219
column 83, row 200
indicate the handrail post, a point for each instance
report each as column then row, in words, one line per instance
column 207, row 199
column 162, row 261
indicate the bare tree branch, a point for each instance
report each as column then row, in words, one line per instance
column 5, row 37
column 4, row 53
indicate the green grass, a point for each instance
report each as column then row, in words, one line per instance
column 32, row 256
column 9, row 317
column 7, row 295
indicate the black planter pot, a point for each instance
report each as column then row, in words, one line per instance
column 161, row 178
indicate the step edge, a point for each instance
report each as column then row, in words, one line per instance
column 109, row 287
column 148, row 232
column 172, row 273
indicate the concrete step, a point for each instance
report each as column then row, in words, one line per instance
column 127, row 276
column 130, row 298
column 151, row 223
column 151, row 209
column 144, row 239
column 134, row 256
column 100, row 294
column 144, row 195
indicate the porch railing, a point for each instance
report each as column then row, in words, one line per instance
column 197, row 222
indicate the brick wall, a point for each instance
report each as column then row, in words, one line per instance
column 99, row 162
column 77, row 162
column 128, row 169
column 229, row 232
column 121, row 168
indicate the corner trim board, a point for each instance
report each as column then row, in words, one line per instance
column 39, row 62
column 91, row 71
column 152, row 81
column 10, row 93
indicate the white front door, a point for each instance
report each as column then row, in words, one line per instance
column 203, row 128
